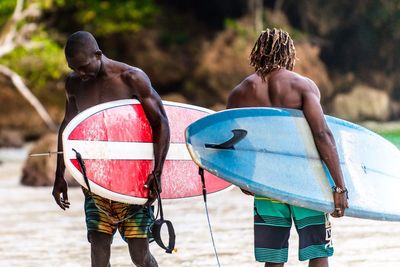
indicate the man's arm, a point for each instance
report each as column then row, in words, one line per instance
column 326, row 146
column 243, row 95
column 155, row 113
column 60, row 188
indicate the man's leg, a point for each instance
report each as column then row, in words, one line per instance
column 272, row 222
column 140, row 253
column 135, row 231
column 100, row 228
column 315, row 240
column 319, row 262
column 100, row 244
column 270, row 264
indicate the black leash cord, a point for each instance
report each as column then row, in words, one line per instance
column 82, row 165
column 86, row 179
column 155, row 228
column 201, row 172
column 158, row 223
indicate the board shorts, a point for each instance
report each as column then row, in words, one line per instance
column 272, row 223
column 106, row 216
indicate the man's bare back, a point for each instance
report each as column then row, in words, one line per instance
column 281, row 88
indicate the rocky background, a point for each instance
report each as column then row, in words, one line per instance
column 196, row 52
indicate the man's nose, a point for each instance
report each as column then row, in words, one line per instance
column 81, row 73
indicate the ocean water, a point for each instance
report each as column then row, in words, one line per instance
column 35, row 232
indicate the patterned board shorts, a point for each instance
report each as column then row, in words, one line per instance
column 272, row 223
column 106, row 216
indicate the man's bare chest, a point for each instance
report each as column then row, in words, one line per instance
column 94, row 93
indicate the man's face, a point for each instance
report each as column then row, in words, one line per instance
column 86, row 65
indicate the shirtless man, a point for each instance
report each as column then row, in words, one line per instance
column 274, row 84
column 97, row 79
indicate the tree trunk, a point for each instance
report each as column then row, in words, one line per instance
column 25, row 92
column 9, row 31
column 256, row 7
column 8, row 36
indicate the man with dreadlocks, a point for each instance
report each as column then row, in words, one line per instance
column 274, row 84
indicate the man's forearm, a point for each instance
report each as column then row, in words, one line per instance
column 161, row 140
column 60, row 169
column 327, row 150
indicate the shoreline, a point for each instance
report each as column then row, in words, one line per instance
column 376, row 126
column 44, row 235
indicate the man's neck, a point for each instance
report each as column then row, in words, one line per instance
column 104, row 70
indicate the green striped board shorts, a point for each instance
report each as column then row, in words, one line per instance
column 106, row 216
column 272, row 223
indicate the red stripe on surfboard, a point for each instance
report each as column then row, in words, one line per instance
column 179, row 119
column 115, row 124
column 180, row 178
column 129, row 124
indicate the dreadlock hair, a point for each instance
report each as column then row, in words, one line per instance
column 274, row 49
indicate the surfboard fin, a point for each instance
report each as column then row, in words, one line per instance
column 238, row 135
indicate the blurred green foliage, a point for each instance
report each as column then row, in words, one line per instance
column 355, row 35
column 391, row 135
column 6, row 10
column 40, row 64
column 359, row 36
column 239, row 29
column 104, row 17
column 39, row 59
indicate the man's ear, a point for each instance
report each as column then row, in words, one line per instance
column 98, row 53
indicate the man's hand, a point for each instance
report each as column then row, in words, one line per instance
column 247, row 192
column 340, row 200
column 60, row 193
column 153, row 184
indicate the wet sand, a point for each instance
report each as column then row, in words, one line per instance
column 35, row 232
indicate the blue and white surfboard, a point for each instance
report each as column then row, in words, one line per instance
column 271, row 152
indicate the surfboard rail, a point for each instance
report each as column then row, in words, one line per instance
column 278, row 159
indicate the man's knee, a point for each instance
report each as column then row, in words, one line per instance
column 140, row 253
column 98, row 238
column 319, row 262
column 100, row 244
column 271, row 264
column 144, row 260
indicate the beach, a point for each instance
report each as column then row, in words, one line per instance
column 34, row 231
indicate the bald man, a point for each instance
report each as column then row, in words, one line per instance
column 97, row 79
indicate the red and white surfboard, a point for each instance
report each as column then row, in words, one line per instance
column 115, row 142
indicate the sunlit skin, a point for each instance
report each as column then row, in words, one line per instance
column 287, row 89
column 97, row 79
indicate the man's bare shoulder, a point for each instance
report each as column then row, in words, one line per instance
column 137, row 80
column 244, row 93
column 130, row 73
column 71, row 81
column 284, row 74
column 294, row 80
column 248, row 83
